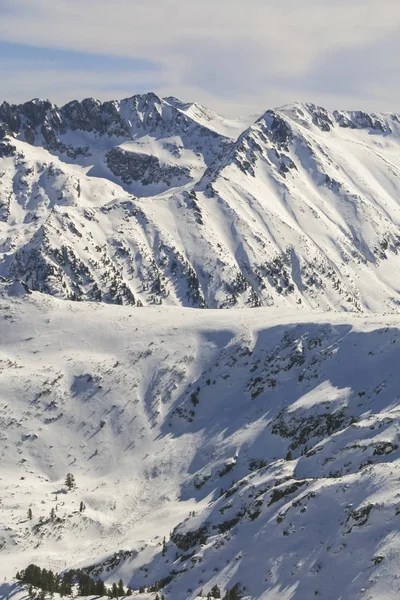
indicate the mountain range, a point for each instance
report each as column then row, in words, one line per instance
column 200, row 323
column 152, row 201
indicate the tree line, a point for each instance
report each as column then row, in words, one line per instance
column 232, row 594
column 48, row 581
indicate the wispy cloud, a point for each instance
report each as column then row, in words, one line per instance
column 235, row 55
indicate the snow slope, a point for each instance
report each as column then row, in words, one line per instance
column 147, row 200
column 262, row 442
column 178, row 423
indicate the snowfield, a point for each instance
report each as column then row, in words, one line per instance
column 179, row 423
column 253, row 448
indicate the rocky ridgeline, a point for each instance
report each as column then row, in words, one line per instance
column 274, row 218
column 41, row 123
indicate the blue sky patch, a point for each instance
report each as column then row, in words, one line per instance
column 50, row 58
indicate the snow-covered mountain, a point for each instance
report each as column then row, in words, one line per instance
column 252, row 449
column 263, row 447
column 149, row 200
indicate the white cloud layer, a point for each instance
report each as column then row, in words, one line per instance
column 235, row 55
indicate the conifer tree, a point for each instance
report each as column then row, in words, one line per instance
column 164, row 547
column 232, row 594
column 100, row 588
column 215, row 592
column 235, row 593
column 50, row 582
column 43, row 580
column 66, row 585
column 30, row 515
column 121, row 591
column 70, row 481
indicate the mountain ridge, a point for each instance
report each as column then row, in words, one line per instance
column 300, row 210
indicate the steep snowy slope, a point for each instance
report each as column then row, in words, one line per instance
column 262, row 444
column 230, row 128
column 301, row 211
column 310, row 203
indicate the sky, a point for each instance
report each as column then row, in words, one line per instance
column 237, row 57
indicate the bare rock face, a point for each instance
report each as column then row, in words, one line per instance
column 133, row 166
column 39, row 122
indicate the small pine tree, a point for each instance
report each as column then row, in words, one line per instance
column 70, row 481
column 52, row 515
column 66, row 584
column 30, row 515
column 121, row 591
column 63, row 588
column 289, row 455
column 82, row 507
column 164, row 547
column 100, row 588
column 235, row 593
column 216, row 592
column 129, row 592
column 51, row 582
column 232, row 594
